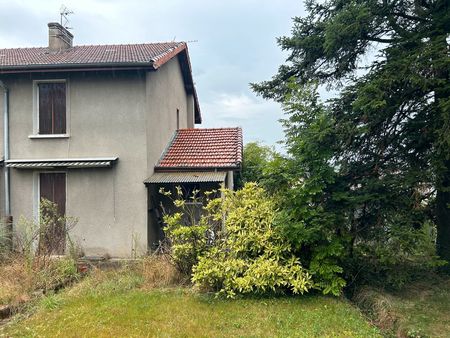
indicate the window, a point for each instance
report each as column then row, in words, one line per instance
column 51, row 107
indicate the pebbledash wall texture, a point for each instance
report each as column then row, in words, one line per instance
column 123, row 106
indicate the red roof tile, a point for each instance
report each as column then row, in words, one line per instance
column 154, row 54
column 206, row 148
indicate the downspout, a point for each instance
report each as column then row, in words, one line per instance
column 6, row 146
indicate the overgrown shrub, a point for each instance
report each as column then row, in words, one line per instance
column 32, row 265
column 250, row 255
column 186, row 234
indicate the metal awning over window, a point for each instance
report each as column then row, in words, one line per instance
column 186, row 177
column 72, row 163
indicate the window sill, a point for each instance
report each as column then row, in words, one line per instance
column 46, row 136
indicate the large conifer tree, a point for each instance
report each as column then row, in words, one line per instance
column 388, row 131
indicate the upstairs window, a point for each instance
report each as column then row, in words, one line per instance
column 52, row 108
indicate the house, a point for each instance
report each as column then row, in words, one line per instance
column 195, row 159
column 97, row 129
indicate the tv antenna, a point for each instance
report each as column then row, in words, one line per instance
column 65, row 12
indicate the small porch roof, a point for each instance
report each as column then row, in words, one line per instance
column 95, row 162
column 186, row 177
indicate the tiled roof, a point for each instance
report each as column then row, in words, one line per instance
column 206, row 148
column 154, row 54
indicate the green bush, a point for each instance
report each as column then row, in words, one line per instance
column 186, row 241
column 250, row 255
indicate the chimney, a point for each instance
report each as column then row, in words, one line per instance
column 59, row 38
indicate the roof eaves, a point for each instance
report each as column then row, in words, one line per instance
column 240, row 147
column 165, row 57
column 161, row 59
column 187, row 73
column 65, row 66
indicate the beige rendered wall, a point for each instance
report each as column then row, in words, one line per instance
column 1, row 121
column 2, row 181
column 131, row 115
column 165, row 94
column 107, row 117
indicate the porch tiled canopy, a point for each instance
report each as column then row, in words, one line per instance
column 186, row 177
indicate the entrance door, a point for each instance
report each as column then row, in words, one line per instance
column 52, row 187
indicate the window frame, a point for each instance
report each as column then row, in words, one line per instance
column 35, row 133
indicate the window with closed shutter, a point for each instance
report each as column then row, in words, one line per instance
column 52, row 108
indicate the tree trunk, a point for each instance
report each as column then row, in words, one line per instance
column 443, row 217
column 442, row 93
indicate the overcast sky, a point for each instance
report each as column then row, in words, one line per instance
column 231, row 44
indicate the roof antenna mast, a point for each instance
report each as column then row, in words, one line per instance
column 65, row 12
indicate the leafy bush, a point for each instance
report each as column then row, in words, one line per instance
column 186, row 234
column 257, row 158
column 250, row 255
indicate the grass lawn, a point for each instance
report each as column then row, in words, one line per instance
column 118, row 307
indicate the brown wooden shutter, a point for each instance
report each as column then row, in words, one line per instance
column 52, row 108
column 45, row 108
column 52, row 187
column 59, row 106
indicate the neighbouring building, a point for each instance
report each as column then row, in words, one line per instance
column 98, row 129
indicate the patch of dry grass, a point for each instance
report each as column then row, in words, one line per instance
column 21, row 278
column 158, row 272
column 15, row 281
column 378, row 306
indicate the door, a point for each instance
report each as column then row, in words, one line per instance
column 52, row 187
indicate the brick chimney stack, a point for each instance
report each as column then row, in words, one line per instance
column 59, row 38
